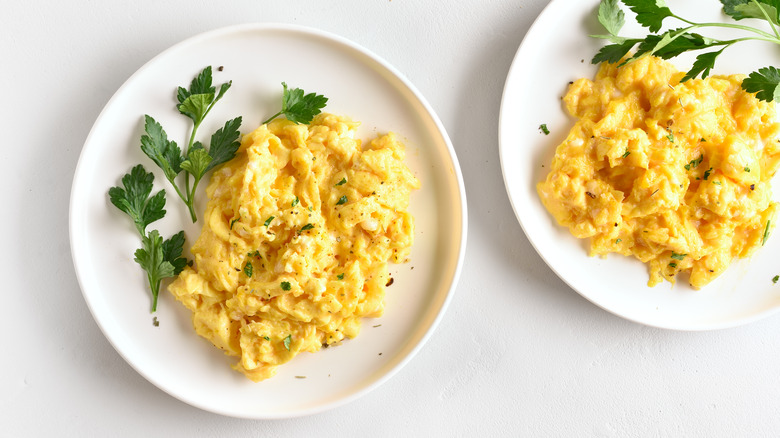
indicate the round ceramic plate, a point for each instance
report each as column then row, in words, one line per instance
column 257, row 58
column 557, row 50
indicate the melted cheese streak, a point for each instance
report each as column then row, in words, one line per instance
column 674, row 174
column 299, row 229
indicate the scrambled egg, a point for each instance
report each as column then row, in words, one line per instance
column 675, row 174
column 298, row 232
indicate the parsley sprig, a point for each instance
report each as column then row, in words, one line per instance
column 195, row 103
column 159, row 258
column 651, row 14
column 299, row 107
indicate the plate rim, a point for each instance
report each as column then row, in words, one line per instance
column 459, row 187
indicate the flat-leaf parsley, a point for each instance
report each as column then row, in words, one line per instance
column 651, row 14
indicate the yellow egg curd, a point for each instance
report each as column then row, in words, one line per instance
column 299, row 229
column 676, row 174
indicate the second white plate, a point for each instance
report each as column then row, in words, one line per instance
column 557, row 50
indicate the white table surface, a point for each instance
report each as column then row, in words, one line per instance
column 517, row 353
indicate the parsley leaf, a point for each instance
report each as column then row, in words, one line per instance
column 287, row 342
column 740, row 9
column 152, row 260
column 201, row 84
column 248, row 269
column 611, row 17
column 164, row 153
column 671, row 43
column 196, row 102
column 286, row 285
column 342, row 200
column 197, row 162
column 268, row 221
column 613, row 53
column 134, row 199
column 224, row 143
column 764, row 83
column 649, row 14
column 702, row 66
column 299, row 107
column 172, row 249
column 343, row 181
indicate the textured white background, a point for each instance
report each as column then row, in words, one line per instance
column 517, row 353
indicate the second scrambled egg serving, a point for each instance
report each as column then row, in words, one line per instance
column 298, row 232
column 675, row 174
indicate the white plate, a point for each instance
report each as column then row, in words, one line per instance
column 557, row 50
column 257, row 58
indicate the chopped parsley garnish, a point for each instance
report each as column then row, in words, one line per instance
column 670, row 137
column 266, row 338
column 694, row 163
column 233, row 221
column 286, row 285
column 268, row 221
column 307, row 227
column 775, row 278
column 544, row 129
column 343, row 181
column 627, row 153
column 766, row 232
column 287, row 342
column 707, row 173
column 340, row 276
column 342, row 200
column 678, row 256
column 294, row 202
column 747, row 169
column 618, row 240
column 255, row 253
column 672, row 265
column 248, row 269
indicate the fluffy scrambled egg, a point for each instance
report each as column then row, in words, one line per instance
column 675, row 174
column 298, row 232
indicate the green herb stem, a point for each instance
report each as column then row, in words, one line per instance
column 272, row 117
column 694, row 26
column 155, row 286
